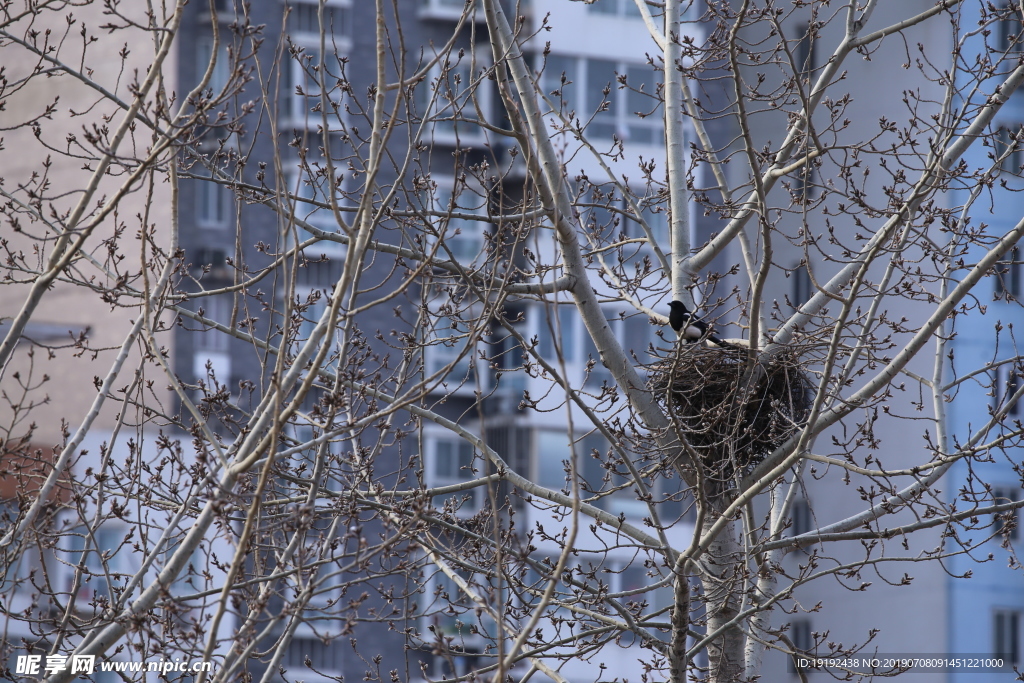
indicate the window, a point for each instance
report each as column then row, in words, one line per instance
column 310, row 187
column 25, row 571
column 461, row 665
column 303, row 73
column 656, row 217
column 209, row 263
column 321, row 656
column 213, row 202
column 1004, row 387
column 221, row 70
column 211, row 346
column 225, row 9
column 640, row 339
column 557, row 333
column 636, row 579
column 1008, row 276
column 452, row 99
column 549, row 459
column 508, row 363
column 453, row 462
column 304, row 19
column 539, row 571
column 1001, row 496
column 635, row 332
column 304, row 461
column 804, row 55
column 596, row 450
column 316, row 302
column 608, row 216
column 217, row 309
column 558, row 81
column 116, row 562
column 803, row 521
column 1009, row 28
column 450, row 353
column 643, row 121
column 803, row 640
column 596, row 453
column 805, row 62
column 629, row 9
column 1007, row 142
column 801, row 285
column 446, row 607
column 629, row 112
column 552, row 456
column 615, row 8
column 1006, row 637
column 444, row 9
column 463, row 236
column 601, row 77
column 598, row 216
column 599, row 373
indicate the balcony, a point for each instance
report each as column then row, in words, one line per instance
column 450, row 10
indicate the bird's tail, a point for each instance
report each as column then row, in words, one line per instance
column 721, row 342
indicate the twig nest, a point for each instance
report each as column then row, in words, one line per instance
column 732, row 413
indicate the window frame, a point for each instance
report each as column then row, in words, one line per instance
column 119, row 567
column 1008, row 276
column 802, row 516
column 1005, row 29
column 1006, row 636
column 621, row 220
column 463, row 378
column 302, row 190
column 1007, row 135
column 446, row 9
column 802, row 288
column 1006, row 383
column 214, row 202
column 310, row 317
column 1009, row 493
column 618, row 114
column 298, row 108
column 801, row 635
column 444, row 199
column 331, row 653
column 431, row 101
column 470, row 501
column 210, row 345
column 614, row 8
column 508, row 359
column 577, row 347
column 305, row 35
column 221, row 70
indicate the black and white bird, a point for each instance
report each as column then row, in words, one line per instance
column 691, row 328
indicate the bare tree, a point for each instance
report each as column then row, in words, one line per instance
column 418, row 410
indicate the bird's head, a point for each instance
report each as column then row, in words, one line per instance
column 678, row 306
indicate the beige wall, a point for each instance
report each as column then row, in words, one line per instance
column 66, row 397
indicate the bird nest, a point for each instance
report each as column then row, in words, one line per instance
column 732, row 429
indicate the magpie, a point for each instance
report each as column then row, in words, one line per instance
column 691, row 328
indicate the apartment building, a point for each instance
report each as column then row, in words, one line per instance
column 968, row 604
column 592, row 45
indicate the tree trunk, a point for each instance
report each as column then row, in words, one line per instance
column 721, row 576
